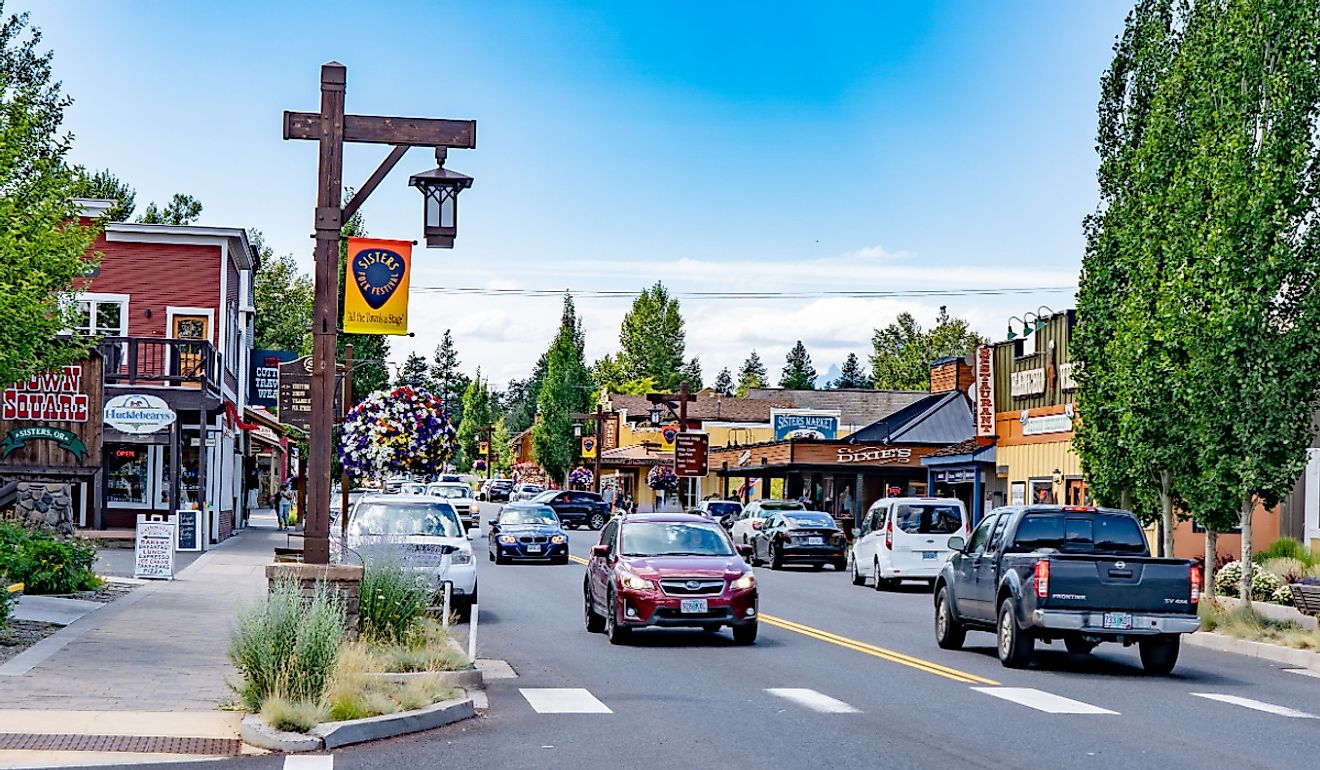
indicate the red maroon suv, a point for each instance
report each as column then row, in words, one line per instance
column 668, row 570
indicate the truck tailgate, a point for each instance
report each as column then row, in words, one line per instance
column 1119, row 583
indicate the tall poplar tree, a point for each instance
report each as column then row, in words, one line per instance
column 566, row 388
column 477, row 416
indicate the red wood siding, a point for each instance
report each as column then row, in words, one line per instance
column 158, row 275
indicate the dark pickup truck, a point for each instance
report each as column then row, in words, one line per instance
column 1083, row 575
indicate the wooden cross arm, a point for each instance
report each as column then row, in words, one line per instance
column 374, row 129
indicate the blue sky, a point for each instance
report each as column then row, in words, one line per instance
column 734, row 146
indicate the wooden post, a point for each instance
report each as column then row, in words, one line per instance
column 343, row 480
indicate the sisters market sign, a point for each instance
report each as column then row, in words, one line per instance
column 55, row 396
column 138, row 414
column 16, row 439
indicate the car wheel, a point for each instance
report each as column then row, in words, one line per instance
column 776, row 558
column 840, row 565
column 597, row 521
column 617, row 634
column 463, row 608
column 817, row 567
column 857, row 578
column 1078, row 646
column 1160, row 655
column 949, row 633
column 560, row 561
column 490, row 554
column 879, row 583
column 754, row 560
column 745, row 634
column 1015, row 645
column 595, row 622
column 501, row 559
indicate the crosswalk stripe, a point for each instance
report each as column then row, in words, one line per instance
column 563, row 700
column 1043, row 701
column 813, row 700
column 1258, row 705
column 309, row 762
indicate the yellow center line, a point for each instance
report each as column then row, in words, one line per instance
column 577, row 559
column 878, row 652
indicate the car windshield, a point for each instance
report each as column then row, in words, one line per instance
column 1085, row 533
column 782, row 505
column 670, row 538
column 454, row 491
column 406, row 519
column 412, row 489
column 546, row 495
column 929, row 518
column 723, row 509
column 809, row 519
column 538, row 515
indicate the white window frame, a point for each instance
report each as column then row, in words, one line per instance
column 102, row 298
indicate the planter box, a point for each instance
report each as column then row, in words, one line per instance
column 466, row 679
column 255, row 731
column 1273, row 611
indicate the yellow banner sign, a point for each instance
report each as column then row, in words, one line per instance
column 588, row 447
column 483, row 448
column 376, row 286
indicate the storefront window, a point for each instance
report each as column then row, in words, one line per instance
column 127, row 474
column 187, row 482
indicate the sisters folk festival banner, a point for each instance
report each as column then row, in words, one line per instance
column 376, row 286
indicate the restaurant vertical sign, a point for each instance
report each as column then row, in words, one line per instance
column 985, row 391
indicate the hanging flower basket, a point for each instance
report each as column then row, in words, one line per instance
column 661, row 478
column 479, row 465
column 397, row 432
column 580, row 478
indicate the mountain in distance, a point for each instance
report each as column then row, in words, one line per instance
column 829, row 376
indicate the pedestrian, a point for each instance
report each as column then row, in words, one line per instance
column 285, row 505
column 611, row 497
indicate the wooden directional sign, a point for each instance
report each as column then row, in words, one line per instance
column 691, row 452
column 296, row 394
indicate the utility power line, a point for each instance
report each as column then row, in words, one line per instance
column 732, row 295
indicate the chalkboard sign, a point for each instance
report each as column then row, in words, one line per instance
column 153, row 550
column 188, row 536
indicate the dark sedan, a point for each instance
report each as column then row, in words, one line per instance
column 527, row 532
column 576, row 508
column 800, row 537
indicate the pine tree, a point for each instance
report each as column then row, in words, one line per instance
column 446, row 380
column 724, row 382
column 851, row 374
column 691, row 374
column 752, row 375
column 414, row 373
column 798, row 373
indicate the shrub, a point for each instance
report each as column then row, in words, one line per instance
column 1264, row 585
column 295, row 716
column 1287, row 569
column 393, row 599
column 6, row 604
column 287, row 647
column 427, row 649
column 1283, row 595
column 1285, row 548
column 45, row 564
column 1227, row 579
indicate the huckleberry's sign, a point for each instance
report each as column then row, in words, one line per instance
column 137, row 413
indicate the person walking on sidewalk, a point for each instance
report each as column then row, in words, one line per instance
column 285, row 505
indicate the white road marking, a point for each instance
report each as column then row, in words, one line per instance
column 1268, row 708
column 1043, row 701
column 563, row 700
column 1304, row 672
column 304, row 762
column 813, row 700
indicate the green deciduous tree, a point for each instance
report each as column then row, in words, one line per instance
column 566, row 388
column 181, row 210
column 903, row 350
column 651, row 339
column 798, row 373
column 477, row 417
column 851, row 374
column 43, row 251
column 724, row 382
column 104, row 185
column 283, row 296
column 752, row 375
column 502, row 449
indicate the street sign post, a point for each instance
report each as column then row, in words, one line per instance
column 691, row 454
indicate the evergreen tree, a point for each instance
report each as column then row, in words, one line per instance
column 567, row 388
column 851, row 374
column 752, row 375
column 447, row 381
column 414, row 373
column 477, row 417
column 724, row 382
column 651, row 339
column 798, row 373
column 691, row 374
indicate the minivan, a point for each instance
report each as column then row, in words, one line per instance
column 906, row 538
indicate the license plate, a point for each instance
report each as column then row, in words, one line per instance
column 815, row 541
column 533, row 549
column 1119, row 620
column 929, row 554
column 692, row 605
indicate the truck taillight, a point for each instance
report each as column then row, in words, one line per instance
column 1196, row 585
column 1042, row 578
column 889, row 534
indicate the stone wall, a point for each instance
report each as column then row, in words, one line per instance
column 45, row 505
column 344, row 581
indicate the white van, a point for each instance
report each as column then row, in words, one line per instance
column 906, row 538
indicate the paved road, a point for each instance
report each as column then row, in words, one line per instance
column 840, row 673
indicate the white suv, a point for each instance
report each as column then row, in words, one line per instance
column 906, row 538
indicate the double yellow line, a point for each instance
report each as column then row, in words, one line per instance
column 868, row 649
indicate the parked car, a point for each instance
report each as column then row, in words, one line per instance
column 526, row 492
column 1080, row 574
column 800, row 537
column 723, row 511
column 905, row 538
column 495, row 490
column 458, row 495
column 527, row 531
column 754, row 516
column 421, row 532
column 575, row 508
column 337, row 504
column 668, row 570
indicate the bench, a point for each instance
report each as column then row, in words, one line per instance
column 1306, row 598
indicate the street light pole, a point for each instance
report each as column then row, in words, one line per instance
column 343, row 482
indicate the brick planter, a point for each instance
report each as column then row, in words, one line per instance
column 344, row 581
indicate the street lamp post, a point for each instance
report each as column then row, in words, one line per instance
column 662, row 401
column 331, row 128
column 599, row 417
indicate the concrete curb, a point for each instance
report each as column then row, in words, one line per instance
column 1271, row 652
column 466, row 679
column 336, row 734
column 255, row 731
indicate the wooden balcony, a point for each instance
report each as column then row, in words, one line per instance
column 189, row 366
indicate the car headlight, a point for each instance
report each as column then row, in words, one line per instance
column 508, row 539
column 462, row 556
column 748, row 580
column 634, row 582
column 558, row 539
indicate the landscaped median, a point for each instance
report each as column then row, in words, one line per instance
column 1273, row 632
column 308, row 686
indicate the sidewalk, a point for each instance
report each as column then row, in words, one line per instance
column 162, row 648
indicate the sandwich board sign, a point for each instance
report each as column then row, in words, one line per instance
column 153, row 549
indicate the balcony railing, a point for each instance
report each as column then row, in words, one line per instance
column 161, row 362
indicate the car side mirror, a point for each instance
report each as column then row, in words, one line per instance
column 856, row 532
column 600, row 550
column 957, row 543
column 758, row 524
column 493, row 523
column 744, row 550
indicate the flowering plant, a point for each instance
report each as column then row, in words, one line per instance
column 403, row 431
column 662, row 478
column 580, row 477
column 479, row 465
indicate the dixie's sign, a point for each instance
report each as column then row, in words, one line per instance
column 804, row 424
column 51, row 397
column 139, row 414
column 875, row 455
